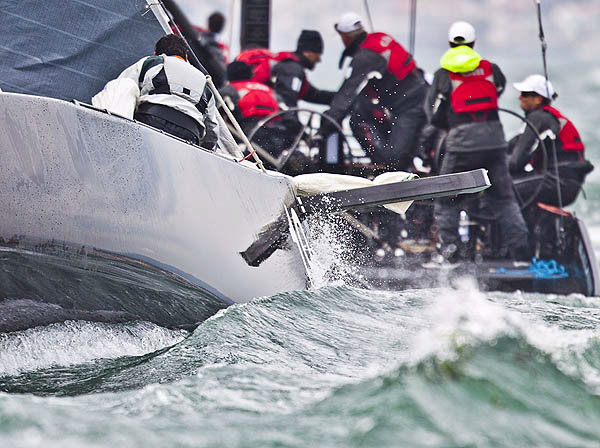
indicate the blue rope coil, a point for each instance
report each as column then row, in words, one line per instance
column 549, row 269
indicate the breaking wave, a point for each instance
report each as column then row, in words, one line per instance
column 76, row 342
column 336, row 366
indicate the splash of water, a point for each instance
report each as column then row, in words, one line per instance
column 336, row 256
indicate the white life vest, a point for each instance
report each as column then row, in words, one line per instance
column 173, row 82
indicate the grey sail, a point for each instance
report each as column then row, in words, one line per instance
column 70, row 49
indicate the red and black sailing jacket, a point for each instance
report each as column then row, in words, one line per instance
column 474, row 91
column 285, row 55
column 256, row 99
column 262, row 61
column 400, row 62
column 568, row 135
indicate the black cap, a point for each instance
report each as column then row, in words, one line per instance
column 239, row 71
column 216, row 21
column 310, row 40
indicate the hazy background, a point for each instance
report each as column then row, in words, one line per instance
column 507, row 30
column 507, row 33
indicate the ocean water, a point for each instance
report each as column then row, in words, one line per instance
column 332, row 367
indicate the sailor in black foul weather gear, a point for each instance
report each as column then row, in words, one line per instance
column 463, row 99
column 535, row 100
column 381, row 65
column 173, row 94
column 208, row 39
column 289, row 75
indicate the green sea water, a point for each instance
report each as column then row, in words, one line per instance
column 333, row 367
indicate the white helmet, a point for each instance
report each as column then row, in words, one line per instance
column 461, row 33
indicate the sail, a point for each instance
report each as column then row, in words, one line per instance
column 69, row 49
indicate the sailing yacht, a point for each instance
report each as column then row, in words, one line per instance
column 107, row 219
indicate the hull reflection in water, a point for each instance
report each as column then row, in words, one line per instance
column 58, row 284
column 110, row 202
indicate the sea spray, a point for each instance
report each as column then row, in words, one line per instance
column 466, row 316
column 336, row 254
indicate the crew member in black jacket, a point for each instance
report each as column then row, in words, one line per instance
column 208, row 38
column 526, row 160
column 289, row 75
column 381, row 65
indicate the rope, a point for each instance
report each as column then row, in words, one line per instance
column 299, row 237
column 546, row 269
column 235, row 124
column 248, row 156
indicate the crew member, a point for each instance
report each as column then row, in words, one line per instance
column 261, row 60
column 464, row 100
column 208, row 37
column 289, row 76
column 252, row 101
column 248, row 100
column 173, row 94
column 526, row 152
column 381, row 65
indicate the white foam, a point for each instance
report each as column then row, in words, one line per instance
column 467, row 316
column 459, row 316
column 71, row 343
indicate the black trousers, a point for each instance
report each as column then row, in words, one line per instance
column 169, row 120
column 572, row 176
column 500, row 199
column 526, row 187
column 274, row 137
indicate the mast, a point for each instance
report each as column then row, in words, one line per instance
column 412, row 26
column 369, row 15
column 256, row 24
column 544, row 46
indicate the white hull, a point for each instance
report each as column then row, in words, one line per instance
column 72, row 174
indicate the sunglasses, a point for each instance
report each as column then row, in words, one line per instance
column 528, row 94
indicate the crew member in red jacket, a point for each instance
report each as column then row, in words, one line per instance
column 463, row 100
column 250, row 102
column 526, row 160
column 381, row 65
